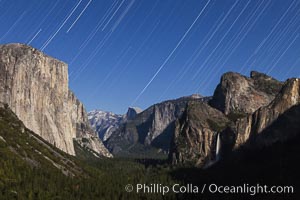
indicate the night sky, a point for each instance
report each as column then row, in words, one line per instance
column 139, row 52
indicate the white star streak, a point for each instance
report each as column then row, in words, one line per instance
column 13, row 26
column 167, row 59
column 87, row 5
column 290, row 26
column 127, row 65
column 110, row 10
column 187, row 65
column 281, row 18
column 93, row 33
column 113, row 15
column 122, row 15
column 221, row 40
column 47, row 15
column 276, row 43
column 278, row 40
column 198, row 51
column 61, row 26
column 93, row 54
column 292, row 67
column 210, row 38
column 111, row 71
column 34, row 37
column 277, row 48
column 273, row 66
column 234, row 46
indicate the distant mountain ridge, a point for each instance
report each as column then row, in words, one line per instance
column 105, row 123
column 150, row 132
column 199, row 130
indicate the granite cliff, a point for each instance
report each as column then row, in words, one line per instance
column 35, row 87
column 240, row 94
column 265, row 116
column 196, row 133
column 247, row 107
column 132, row 112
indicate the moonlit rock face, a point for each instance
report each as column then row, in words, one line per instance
column 35, row 86
column 132, row 112
column 204, row 134
column 196, row 138
column 237, row 93
column 154, row 127
column 196, row 96
column 106, row 123
column 288, row 97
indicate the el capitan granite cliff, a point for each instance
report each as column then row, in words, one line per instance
column 35, row 86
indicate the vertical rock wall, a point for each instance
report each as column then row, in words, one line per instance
column 35, row 86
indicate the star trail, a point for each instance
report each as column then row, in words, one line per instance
column 138, row 52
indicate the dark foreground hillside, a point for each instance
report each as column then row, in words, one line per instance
column 31, row 168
